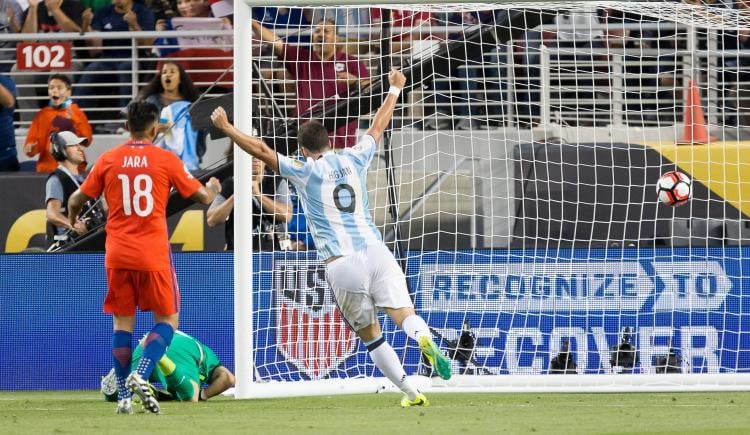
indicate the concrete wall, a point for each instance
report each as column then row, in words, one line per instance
column 475, row 203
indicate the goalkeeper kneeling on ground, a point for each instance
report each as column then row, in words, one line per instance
column 187, row 365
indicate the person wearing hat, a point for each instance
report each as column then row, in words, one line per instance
column 66, row 149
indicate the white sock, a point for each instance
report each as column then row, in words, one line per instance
column 387, row 361
column 415, row 327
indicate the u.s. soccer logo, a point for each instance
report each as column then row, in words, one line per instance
column 310, row 332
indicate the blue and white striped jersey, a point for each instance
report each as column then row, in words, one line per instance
column 333, row 192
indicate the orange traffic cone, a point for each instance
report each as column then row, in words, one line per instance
column 695, row 131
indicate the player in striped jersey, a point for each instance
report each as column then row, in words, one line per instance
column 361, row 271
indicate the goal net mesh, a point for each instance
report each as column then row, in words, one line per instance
column 516, row 185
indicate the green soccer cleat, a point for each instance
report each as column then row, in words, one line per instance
column 420, row 400
column 436, row 358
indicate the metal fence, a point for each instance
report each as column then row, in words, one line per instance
column 628, row 74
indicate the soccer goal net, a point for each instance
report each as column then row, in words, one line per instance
column 516, row 187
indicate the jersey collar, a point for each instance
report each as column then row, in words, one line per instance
column 138, row 143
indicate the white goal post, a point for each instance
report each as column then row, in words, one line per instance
column 516, row 187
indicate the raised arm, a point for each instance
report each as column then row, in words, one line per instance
column 251, row 145
column 383, row 116
column 218, row 214
column 131, row 18
column 31, row 23
column 206, row 194
column 65, row 22
column 87, row 19
column 281, row 212
column 268, row 35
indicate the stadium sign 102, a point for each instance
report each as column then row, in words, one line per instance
column 43, row 56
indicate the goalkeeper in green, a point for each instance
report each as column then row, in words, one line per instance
column 185, row 367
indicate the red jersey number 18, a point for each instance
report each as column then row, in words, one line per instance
column 142, row 186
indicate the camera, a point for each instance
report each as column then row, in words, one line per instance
column 671, row 363
column 624, row 356
column 462, row 349
column 563, row 363
column 95, row 214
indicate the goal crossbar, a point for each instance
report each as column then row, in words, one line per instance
column 481, row 248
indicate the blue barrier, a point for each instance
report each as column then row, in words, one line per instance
column 521, row 306
column 55, row 336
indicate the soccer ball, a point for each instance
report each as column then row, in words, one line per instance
column 674, row 188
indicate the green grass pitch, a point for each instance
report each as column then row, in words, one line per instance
column 83, row 412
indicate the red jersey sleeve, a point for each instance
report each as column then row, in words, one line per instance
column 181, row 178
column 93, row 185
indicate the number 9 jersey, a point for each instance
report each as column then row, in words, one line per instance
column 333, row 192
column 136, row 178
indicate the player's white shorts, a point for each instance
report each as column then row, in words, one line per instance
column 365, row 281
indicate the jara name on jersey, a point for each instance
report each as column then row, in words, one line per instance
column 135, row 162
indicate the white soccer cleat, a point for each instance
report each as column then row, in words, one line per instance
column 142, row 389
column 124, row 406
column 108, row 385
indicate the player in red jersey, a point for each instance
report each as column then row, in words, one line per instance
column 135, row 179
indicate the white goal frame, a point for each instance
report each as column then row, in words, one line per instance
column 246, row 386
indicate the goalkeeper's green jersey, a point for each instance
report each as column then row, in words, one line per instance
column 193, row 358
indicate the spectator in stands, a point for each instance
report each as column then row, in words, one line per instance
column 67, row 150
column 95, row 5
column 655, row 76
column 52, row 16
column 10, row 22
column 8, row 153
column 46, row 17
column 403, row 25
column 164, row 46
column 322, row 74
column 186, row 9
column 62, row 114
column 198, row 9
column 272, row 209
column 640, row 70
column 162, row 9
column 575, row 44
column 121, row 16
column 462, row 86
column 172, row 91
column 354, row 27
column 732, row 73
column 295, row 20
column 299, row 234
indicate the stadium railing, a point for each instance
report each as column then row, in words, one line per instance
column 600, row 85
